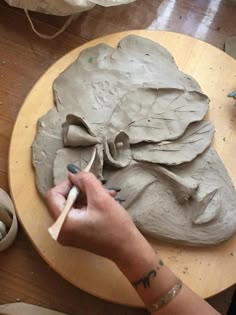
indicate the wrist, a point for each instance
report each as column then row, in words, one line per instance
column 146, row 271
column 136, row 257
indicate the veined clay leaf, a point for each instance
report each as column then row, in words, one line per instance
column 155, row 115
column 194, row 141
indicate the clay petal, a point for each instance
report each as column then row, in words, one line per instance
column 72, row 119
column 76, row 132
column 195, row 140
column 168, row 116
column 47, row 142
column 79, row 157
column 208, row 208
column 75, row 136
column 117, row 152
column 131, row 188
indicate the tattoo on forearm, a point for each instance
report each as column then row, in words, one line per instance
column 145, row 281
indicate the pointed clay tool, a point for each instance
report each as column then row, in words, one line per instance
column 55, row 229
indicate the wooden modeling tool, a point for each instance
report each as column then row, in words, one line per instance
column 55, row 229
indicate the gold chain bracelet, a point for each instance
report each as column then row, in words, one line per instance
column 166, row 298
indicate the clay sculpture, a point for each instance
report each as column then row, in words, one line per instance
column 145, row 118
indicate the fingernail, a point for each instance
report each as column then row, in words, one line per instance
column 232, row 94
column 117, row 189
column 73, row 168
column 120, row 199
column 103, row 181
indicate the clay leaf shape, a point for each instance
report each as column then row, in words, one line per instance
column 208, row 207
column 195, row 140
column 79, row 158
column 155, row 115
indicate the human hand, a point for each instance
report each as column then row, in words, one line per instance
column 99, row 224
column 96, row 222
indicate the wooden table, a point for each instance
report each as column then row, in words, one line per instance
column 23, row 58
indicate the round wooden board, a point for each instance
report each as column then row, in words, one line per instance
column 206, row 270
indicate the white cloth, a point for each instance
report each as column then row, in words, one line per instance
column 60, row 7
column 63, row 7
column 26, row 309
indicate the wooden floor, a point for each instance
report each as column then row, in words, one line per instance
column 23, row 58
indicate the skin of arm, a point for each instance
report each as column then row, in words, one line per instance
column 95, row 223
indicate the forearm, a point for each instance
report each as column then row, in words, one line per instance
column 153, row 279
column 103, row 227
